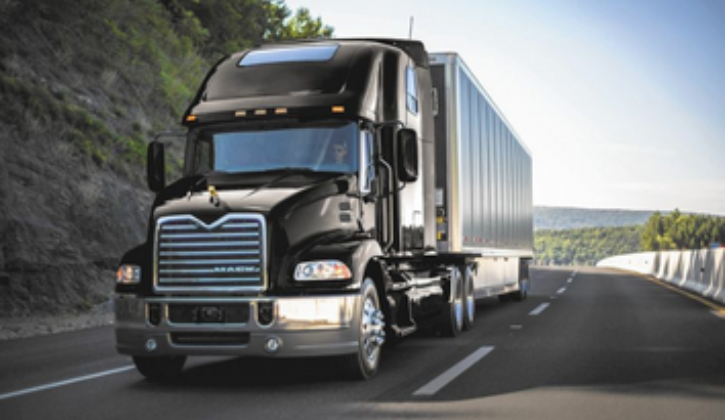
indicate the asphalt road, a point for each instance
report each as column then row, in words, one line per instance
column 603, row 345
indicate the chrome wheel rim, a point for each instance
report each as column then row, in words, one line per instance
column 373, row 332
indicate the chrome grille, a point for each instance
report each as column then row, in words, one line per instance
column 225, row 256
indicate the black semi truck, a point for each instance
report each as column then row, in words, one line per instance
column 336, row 195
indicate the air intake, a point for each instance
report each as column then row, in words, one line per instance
column 226, row 256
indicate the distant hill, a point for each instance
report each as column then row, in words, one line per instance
column 560, row 218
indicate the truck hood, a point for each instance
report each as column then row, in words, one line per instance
column 248, row 198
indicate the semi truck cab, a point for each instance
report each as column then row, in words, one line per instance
column 304, row 223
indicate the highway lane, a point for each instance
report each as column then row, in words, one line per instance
column 610, row 345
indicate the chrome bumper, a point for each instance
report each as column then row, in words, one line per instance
column 302, row 327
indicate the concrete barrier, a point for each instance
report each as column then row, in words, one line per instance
column 701, row 272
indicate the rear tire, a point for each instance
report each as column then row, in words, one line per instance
column 160, row 368
column 364, row 363
column 524, row 282
column 523, row 291
column 452, row 318
column 469, row 300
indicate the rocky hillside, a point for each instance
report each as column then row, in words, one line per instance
column 84, row 85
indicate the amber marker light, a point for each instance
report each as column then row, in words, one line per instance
column 338, row 109
column 280, row 111
column 191, row 118
column 260, row 112
column 240, row 114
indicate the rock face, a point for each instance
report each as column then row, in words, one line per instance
column 81, row 97
column 64, row 224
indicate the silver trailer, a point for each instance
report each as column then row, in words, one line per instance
column 483, row 193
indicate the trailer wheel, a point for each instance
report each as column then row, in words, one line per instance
column 524, row 283
column 469, row 300
column 452, row 318
column 523, row 291
column 364, row 363
column 160, row 368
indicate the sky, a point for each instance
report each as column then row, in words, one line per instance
column 621, row 102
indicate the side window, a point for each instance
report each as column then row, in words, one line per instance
column 204, row 158
column 411, row 88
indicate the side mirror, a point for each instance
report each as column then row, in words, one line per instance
column 156, row 167
column 407, row 155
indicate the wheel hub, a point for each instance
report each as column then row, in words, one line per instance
column 373, row 331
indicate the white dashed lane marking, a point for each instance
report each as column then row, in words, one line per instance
column 539, row 309
column 448, row 376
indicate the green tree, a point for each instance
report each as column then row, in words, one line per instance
column 300, row 25
column 228, row 26
column 681, row 231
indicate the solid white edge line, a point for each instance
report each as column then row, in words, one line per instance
column 446, row 377
column 63, row 383
column 560, row 291
column 539, row 309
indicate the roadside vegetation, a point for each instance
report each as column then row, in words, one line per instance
column 676, row 231
column 587, row 246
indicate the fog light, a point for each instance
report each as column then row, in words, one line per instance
column 151, row 344
column 272, row 345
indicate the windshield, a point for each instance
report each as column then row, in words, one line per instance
column 322, row 148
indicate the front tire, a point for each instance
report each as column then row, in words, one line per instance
column 364, row 364
column 160, row 368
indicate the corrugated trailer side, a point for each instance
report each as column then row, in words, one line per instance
column 483, row 179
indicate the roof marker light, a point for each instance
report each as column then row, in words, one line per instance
column 260, row 112
column 240, row 114
column 338, row 109
column 280, row 111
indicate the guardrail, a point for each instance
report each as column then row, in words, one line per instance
column 701, row 272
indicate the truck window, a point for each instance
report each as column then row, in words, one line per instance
column 330, row 148
column 289, row 55
column 411, row 87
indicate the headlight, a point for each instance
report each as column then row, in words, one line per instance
column 322, row 270
column 128, row 274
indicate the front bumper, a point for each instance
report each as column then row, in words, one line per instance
column 302, row 327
